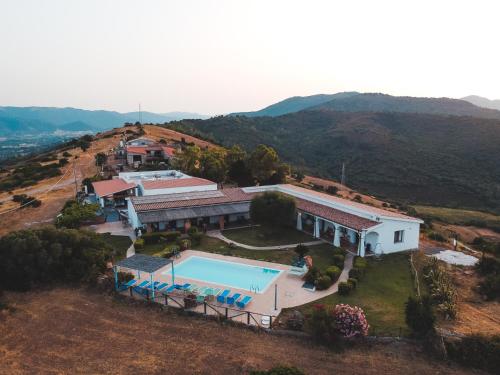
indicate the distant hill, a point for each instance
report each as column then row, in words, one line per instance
column 18, row 120
column 407, row 104
column 357, row 102
column 419, row 158
column 294, row 104
column 483, row 102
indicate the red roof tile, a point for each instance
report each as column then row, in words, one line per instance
column 169, row 151
column 136, row 150
column 108, row 187
column 360, row 206
column 337, row 216
column 174, row 183
column 166, row 201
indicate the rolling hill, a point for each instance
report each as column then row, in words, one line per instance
column 294, row 104
column 357, row 102
column 483, row 102
column 419, row 158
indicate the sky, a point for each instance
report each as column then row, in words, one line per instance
column 216, row 57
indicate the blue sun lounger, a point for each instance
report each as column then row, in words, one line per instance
column 155, row 283
column 222, row 297
column 244, row 302
column 142, row 288
column 184, row 287
column 231, row 300
column 127, row 285
column 161, row 286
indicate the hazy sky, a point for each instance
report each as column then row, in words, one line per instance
column 216, row 57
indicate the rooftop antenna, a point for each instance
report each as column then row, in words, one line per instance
column 342, row 178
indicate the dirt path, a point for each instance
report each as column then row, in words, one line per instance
column 79, row 332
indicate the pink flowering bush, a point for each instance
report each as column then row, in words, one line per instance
column 350, row 321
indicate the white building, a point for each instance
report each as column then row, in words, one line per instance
column 355, row 226
column 350, row 224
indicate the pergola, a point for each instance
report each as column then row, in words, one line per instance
column 144, row 263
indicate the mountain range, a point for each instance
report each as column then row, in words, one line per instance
column 436, row 151
column 473, row 106
column 30, row 120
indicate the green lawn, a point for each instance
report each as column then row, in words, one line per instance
column 382, row 294
column 157, row 249
column 321, row 254
column 119, row 243
column 256, row 236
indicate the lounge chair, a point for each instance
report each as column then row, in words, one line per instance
column 192, row 288
column 297, row 271
column 142, row 288
column 170, row 289
column 202, row 294
column 222, row 297
column 244, row 302
column 211, row 293
column 231, row 300
column 161, row 286
column 155, row 283
column 183, row 287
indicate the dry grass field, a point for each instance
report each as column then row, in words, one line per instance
column 64, row 331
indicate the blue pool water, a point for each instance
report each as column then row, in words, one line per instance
column 224, row 273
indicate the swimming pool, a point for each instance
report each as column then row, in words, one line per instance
column 225, row 273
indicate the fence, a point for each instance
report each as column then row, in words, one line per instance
column 188, row 302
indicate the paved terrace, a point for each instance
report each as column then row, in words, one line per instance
column 290, row 291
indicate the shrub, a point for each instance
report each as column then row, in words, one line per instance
column 488, row 265
column 322, row 324
column 301, row 250
column 63, row 162
column 356, row 273
column 419, row 315
column 311, row 275
column 476, row 351
column 50, row 255
column 333, row 272
column 279, row 370
column 139, row 244
column 323, row 282
column 360, row 262
column 353, row 282
column 350, row 321
column 185, row 244
column 436, row 237
column 338, row 260
column 124, row 277
column 192, row 230
column 333, row 190
column 337, row 251
column 73, row 214
column 490, row 287
column 196, row 238
column 344, row 288
column 156, row 237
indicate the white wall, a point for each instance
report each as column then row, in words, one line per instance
column 386, row 236
column 184, row 189
column 132, row 215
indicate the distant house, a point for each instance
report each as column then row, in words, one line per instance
column 355, row 226
column 113, row 192
column 146, row 151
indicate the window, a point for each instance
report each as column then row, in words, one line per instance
column 399, row 236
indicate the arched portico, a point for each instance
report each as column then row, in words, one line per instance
column 372, row 243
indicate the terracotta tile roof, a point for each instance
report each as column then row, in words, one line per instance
column 337, row 216
column 346, row 202
column 174, row 183
column 180, row 200
column 169, row 151
column 136, row 150
column 108, row 187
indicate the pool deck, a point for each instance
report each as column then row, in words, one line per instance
column 290, row 291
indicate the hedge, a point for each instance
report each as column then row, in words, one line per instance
column 156, row 237
column 333, row 272
column 344, row 288
column 323, row 282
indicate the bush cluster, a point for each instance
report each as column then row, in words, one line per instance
column 419, row 315
column 476, row 351
column 46, row 255
column 489, row 267
column 74, row 214
column 157, row 237
column 358, row 268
